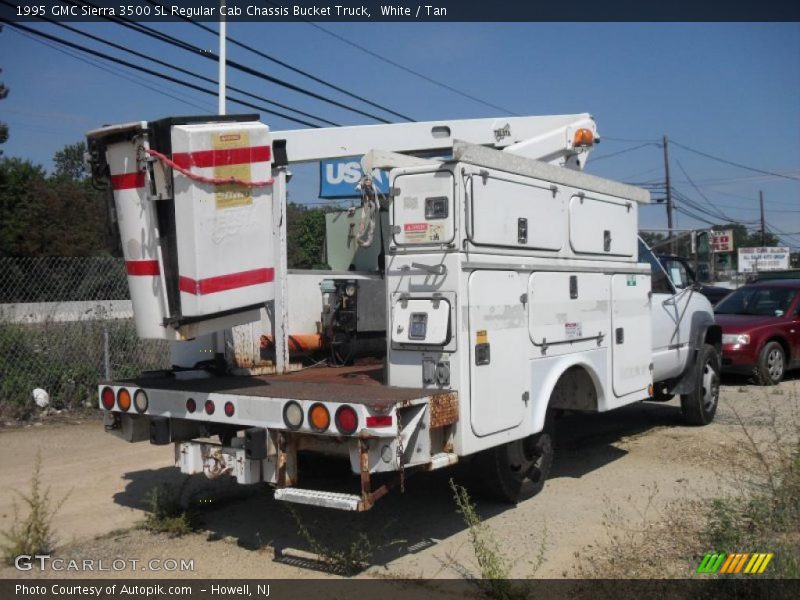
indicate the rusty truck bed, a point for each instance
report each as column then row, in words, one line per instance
column 356, row 385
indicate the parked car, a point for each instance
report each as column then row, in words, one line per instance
column 683, row 276
column 761, row 329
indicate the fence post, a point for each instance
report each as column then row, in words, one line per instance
column 106, row 354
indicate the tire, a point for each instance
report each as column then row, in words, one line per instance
column 516, row 471
column 771, row 364
column 700, row 405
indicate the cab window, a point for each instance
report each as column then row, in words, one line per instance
column 659, row 281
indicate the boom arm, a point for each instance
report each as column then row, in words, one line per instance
column 547, row 138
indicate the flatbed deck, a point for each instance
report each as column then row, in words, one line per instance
column 356, row 385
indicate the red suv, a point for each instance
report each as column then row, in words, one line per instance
column 761, row 329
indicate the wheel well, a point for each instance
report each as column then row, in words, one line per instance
column 786, row 351
column 574, row 390
column 714, row 336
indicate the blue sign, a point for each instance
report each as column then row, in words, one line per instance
column 339, row 178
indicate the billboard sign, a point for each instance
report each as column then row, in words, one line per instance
column 722, row 241
column 753, row 260
column 338, row 178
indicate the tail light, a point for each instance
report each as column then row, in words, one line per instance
column 379, row 421
column 123, row 399
column 191, row 405
column 209, row 406
column 319, row 418
column 140, row 401
column 346, row 420
column 229, row 409
column 107, row 398
column 293, row 415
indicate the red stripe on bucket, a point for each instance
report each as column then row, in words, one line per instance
column 127, row 181
column 224, row 283
column 216, row 158
column 142, row 267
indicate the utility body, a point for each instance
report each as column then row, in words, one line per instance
column 507, row 286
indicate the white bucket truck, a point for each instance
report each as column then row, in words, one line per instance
column 513, row 287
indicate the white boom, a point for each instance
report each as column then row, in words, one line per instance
column 548, row 138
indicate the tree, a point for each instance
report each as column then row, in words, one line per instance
column 69, row 162
column 3, row 126
column 305, row 235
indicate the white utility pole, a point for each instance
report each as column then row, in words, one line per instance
column 222, row 58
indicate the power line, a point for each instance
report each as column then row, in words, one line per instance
column 735, row 164
column 702, row 195
column 150, row 71
column 179, row 69
column 125, row 22
column 605, row 138
column 604, row 156
column 290, row 67
column 131, row 78
column 397, row 65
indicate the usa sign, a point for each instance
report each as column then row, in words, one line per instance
column 338, row 178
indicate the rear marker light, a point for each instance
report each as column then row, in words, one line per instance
column 383, row 421
column 191, row 405
column 140, row 401
column 107, row 398
column 319, row 418
column 346, row 420
column 229, row 409
column 123, row 399
column 209, row 406
column 293, row 415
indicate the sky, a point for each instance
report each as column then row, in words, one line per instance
column 731, row 91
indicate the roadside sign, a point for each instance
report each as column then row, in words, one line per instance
column 753, row 260
column 338, row 178
column 722, row 241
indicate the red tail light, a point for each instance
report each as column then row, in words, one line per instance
column 346, row 420
column 209, row 405
column 229, row 409
column 382, row 421
column 191, row 405
column 107, row 398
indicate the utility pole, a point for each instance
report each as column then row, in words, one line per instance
column 672, row 247
column 761, row 205
column 222, row 59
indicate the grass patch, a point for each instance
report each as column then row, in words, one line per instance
column 32, row 533
column 347, row 561
column 166, row 511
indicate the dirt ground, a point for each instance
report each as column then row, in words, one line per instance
column 636, row 460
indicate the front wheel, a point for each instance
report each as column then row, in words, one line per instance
column 517, row 470
column 700, row 405
column 771, row 364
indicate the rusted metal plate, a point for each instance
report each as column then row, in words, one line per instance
column 356, row 385
column 444, row 409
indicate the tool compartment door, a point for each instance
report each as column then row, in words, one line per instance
column 630, row 332
column 498, row 338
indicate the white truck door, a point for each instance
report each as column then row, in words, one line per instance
column 669, row 330
column 499, row 344
column 631, row 340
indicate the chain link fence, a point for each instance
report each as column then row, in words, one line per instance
column 65, row 324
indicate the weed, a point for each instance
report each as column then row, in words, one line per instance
column 495, row 567
column 33, row 533
column 167, row 512
column 350, row 561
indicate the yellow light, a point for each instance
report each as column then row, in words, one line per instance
column 583, row 137
column 124, row 399
column 319, row 418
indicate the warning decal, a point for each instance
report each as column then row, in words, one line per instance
column 228, row 196
column 573, row 331
column 422, row 232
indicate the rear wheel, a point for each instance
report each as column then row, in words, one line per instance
column 771, row 364
column 516, row 471
column 700, row 405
